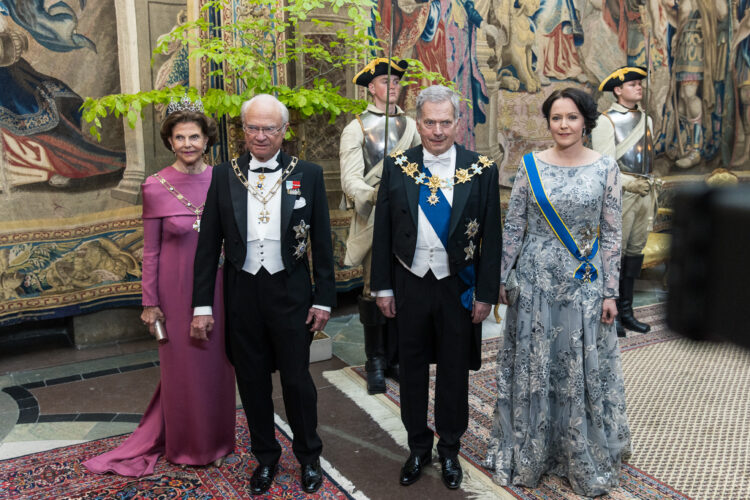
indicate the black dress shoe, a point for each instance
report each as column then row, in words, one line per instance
column 452, row 473
column 412, row 469
column 375, row 381
column 618, row 326
column 262, row 478
column 630, row 323
column 312, row 477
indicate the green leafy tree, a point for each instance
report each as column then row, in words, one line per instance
column 247, row 50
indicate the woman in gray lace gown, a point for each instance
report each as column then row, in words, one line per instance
column 561, row 397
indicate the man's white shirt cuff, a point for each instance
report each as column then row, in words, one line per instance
column 382, row 293
column 203, row 311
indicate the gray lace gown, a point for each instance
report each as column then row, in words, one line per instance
column 561, row 396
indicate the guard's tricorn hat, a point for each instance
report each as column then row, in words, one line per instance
column 622, row 75
column 377, row 67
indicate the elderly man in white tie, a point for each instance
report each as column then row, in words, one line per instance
column 436, row 269
column 267, row 208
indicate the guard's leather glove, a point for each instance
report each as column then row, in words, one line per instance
column 638, row 186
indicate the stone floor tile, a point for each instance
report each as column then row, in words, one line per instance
column 8, row 414
column 353, row 333
column 19, row 448
column 49, row 431
column 6, row 381
column 127, row 392
column 107, row 429
column 350, row 353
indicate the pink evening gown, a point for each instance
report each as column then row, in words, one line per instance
column 191, row 417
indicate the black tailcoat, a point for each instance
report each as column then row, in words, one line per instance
column 224, row 221
column 395, row 233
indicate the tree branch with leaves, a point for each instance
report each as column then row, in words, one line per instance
column 246, row 51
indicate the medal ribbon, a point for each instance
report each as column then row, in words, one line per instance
column 586, row 271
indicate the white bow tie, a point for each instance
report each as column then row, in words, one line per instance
column 443, row 160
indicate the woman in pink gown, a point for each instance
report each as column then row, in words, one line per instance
column 190, row 419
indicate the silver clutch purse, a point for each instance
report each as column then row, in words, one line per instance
column 512, row 287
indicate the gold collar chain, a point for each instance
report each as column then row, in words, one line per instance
column 264, row 215
column 255, row 192
column 197, row 210
column 435, row 182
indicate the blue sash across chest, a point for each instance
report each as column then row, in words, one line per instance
column 439, row 217
column 586, row 272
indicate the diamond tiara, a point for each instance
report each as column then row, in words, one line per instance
column 185, row 104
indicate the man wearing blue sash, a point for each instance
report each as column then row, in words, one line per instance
column 436, row 269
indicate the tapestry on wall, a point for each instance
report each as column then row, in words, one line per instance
column 52, row 268
column 66, row 246
column 515, row 54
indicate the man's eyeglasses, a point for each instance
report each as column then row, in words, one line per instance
column 269, row 131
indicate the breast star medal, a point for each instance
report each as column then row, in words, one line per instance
column 472, row 227
column 587, row 236
column 470, row 250
column 300, row 249
column 300, row 234
column 301, row 229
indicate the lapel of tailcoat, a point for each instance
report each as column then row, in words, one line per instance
column 287, row 200
column 238, row 194
column 460, row 191
column 412, row 188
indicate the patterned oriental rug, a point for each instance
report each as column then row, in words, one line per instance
column 688, row 410
column 59, row 474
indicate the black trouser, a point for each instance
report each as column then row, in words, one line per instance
column 433, row 326
column 267, row 331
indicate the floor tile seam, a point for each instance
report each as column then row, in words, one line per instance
column 339, row 342
column 28, row 405
column 74, row 368
column 87, row 376
column 96, row 417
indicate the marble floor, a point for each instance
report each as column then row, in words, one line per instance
column 53, row 395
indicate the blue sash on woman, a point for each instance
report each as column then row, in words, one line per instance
column 586, row 271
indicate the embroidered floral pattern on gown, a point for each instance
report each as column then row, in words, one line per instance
column 561, row 396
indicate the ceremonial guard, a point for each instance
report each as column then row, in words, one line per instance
column 363, row 146
column 436, row 270
column 624, row 133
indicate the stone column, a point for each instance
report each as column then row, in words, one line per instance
column 129, row 188
column 486, row 133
